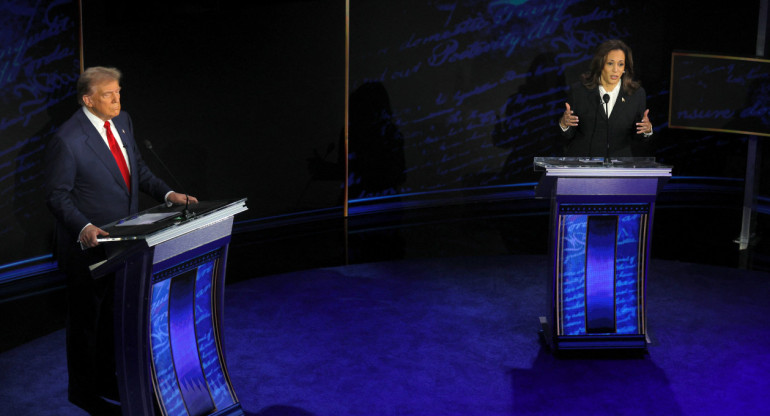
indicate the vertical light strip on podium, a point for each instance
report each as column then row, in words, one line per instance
column 188, row 374
column 629, row 274
column 164, row 375
column 600, row 274
column 207, row 339
column 184, row 345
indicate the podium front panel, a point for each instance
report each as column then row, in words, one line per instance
column 601, row 220
column 169, row 275
column 600, row 270
column 607, row 186
column 189, row 372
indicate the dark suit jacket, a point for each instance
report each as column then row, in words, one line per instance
column 589, row 138
column 84, row 184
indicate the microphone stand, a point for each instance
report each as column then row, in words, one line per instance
column 606, row 99
column 187, row 213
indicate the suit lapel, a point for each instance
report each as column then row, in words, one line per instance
column 619, row 104
column 600, row 108
column 102, row 153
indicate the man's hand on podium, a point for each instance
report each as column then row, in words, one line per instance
column 181, row 199
column 89, row 234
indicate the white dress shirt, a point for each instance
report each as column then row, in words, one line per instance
column 613, row 98
column 99, row 125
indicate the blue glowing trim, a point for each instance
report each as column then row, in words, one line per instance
column 310, row 213
column 703, row 184
column 165, row 375
column 762, row 204
column 207, row 340
column 627, row 273
column 575, row 259
column 288, row 219
column 26, row 261
column 16, row 273
column 573, row 274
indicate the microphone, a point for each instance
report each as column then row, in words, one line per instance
column 606, row 99
column 186, row 212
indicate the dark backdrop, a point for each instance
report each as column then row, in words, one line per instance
column 247, row 100
column 476, row 87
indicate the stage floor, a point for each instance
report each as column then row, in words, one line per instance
column 458, row 335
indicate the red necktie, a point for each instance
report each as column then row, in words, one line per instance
column 118, row 155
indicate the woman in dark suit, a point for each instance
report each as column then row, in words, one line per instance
column 606, row 111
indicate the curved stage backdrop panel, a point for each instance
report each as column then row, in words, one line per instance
column 461, row 96
column 39, row 65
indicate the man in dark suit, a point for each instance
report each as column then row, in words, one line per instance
column 94, row 173
column 606, row 112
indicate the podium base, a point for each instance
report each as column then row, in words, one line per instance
column 591, row 342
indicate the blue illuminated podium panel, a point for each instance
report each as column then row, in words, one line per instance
column 189, row 372
column 601, row 217
column 169, row 270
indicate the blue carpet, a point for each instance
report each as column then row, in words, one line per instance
column 458, row 336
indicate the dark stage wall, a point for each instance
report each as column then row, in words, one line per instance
column 247, row 100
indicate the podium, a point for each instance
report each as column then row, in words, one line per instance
column 169, row 268
column 599, row 243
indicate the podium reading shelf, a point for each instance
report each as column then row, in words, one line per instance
column 169, row 287
column 601, row 220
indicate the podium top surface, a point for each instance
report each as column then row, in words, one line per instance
column 597, row 167
column 161, row 223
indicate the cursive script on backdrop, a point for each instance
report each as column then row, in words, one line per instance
column 475, row 85
column 39, row 66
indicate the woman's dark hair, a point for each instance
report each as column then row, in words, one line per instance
column 592, row 78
